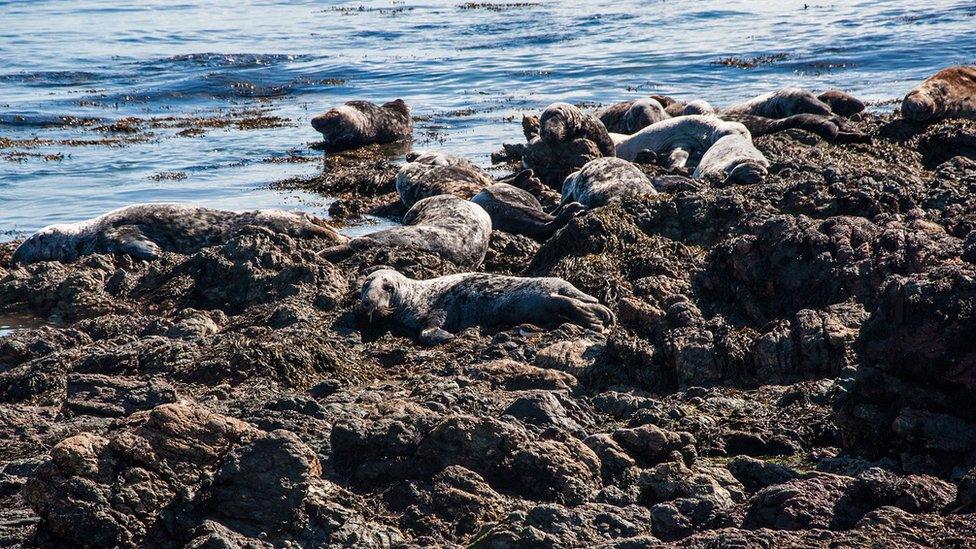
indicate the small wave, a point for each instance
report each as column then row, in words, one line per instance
column 239, row 60
column 52, row 78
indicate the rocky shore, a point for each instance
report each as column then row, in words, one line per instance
column 794, row 365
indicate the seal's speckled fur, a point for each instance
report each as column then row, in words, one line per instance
column 562, row 122
column 950, row 93
column 438, row 308
column 147, row 230
column 632, row 116
column 359, row 123
column 603, row 180
column 782, row 103
column 455, row 229
column 430, row 174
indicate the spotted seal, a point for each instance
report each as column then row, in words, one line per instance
column 632, row 116
column 681, row 140
column 146, row 231
column 516, row 211
column 562, row 122
column 603, row 180
column 430, row 174
column 359, row 123
column 781, row 103
column 434, row 310
column 832, row 128
column 674, row 107
column 454, row 228
column 950, row 93
column 734, row 159
column 842, row 103
column 552, row 162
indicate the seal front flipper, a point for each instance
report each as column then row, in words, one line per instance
column 129, row 239
column 678, row 158
column 434, row 336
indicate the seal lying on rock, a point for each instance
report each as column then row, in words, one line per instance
column 359, row 123
column 435, row 309
column 603, row 180
column 516, row 211
column 842, row 103
column 679, row 139
column 951, row 93
column 632, row 116
column 782, row 103
column 832, row 128
column 734, row 159
column 552, row 162
column 455, row 229
column 146, row 231
column 562, row 122
column 431, row 174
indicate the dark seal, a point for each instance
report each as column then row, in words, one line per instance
column 434, row 310
column 146, row 231
column 453, row 228
column 782, row 103
column 516, row 211
column 360, row 123
column 842, row 103
column 632, row 116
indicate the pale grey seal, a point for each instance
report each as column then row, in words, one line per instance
column 434, row 310
column 145, row 231
column 950, row 93
column 632, row 116
column 454, row 228
column 734, row 159
column 516, row 211
column 359, row 123
column 781, row 103
column 681, row 140
column 430, row 174
column 842, row 103
column 603, row 180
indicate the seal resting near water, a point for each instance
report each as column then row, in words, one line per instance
column 632, row 116
column 832, row 128
column 552, row 162
column 430, row 174
column 360, row 123
column 681, row 140
column 781, row 103
column 562, row 122
column 734, row 159
column 842, row 103
column 603, row 180
column 451, row 227
column 516, row 211
column 950, row 93
column 146, row 231
column 434, row 310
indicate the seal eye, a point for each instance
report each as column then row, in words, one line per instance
column 388, row 287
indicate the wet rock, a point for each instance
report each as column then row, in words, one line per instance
column 114, row 396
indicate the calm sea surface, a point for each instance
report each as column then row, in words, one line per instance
column 465, row 71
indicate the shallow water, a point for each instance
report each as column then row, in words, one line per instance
column 468, row 73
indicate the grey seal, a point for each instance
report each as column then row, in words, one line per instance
column 681, row 140
column 562, row 122
column 632, row 116
column 516, row 211
column 430, row 174
column 552, row 162
column 434, row 310
column 782, row 103
column 454, row 228
column 359, row 123
column 734, row 159
column 603, row 180
column 842, row 103
column 673, row 107
column 950, row 93
column 146, row 231
column 832, row 128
